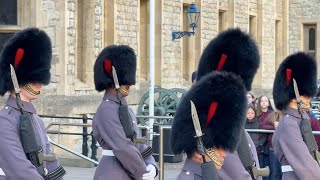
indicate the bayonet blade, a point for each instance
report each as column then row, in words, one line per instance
column 195, row 120
column 296, row 90
column 115, row 78
column 14, row 80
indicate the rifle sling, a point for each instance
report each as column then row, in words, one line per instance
column 244, row 154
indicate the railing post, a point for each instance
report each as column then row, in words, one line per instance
column 94, row 148
column 85, row 136
column 161, row 165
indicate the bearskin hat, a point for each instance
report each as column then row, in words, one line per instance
column 123, row 59
column 303, row 69
column 233, row 51
column 221, row 103
column 30, row 52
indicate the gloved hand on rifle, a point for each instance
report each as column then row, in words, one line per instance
column 151, row 173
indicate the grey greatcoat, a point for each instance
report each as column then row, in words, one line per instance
column 232, row 167
column 290, row 148
column 127, row 162
column 12, row 157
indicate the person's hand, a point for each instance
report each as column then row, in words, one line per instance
column 276, row 124
column 151, row 173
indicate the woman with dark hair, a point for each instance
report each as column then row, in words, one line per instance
column 264, row 108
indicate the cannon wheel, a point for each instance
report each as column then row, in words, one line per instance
column 165, row 104
column 178, row 92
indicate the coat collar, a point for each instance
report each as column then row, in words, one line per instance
column 112, row 97
column 294, row 112
column 26, row 106
column 192, row 167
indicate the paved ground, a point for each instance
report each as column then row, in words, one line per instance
column 75, row 173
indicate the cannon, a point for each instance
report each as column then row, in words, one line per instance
column 166, row 103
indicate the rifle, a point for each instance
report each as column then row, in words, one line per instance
column 247, row 160
column 126, row 120
column 305, row 127
column 209, row 171
column 31, row 147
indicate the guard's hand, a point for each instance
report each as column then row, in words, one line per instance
column 151, row 173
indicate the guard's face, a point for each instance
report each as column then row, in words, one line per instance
column 306, row 102
column 305, row 99
column 31, row 91
column 221, row 154
column 125, row 90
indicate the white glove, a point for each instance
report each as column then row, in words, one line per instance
column 151, row 173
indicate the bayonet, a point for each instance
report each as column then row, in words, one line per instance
column 197, row 128
column 195, row 120
column 296, row 91
column 14, row 80
column 115, row 78
column 16, row 88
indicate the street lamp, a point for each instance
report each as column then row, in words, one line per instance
column 193, row 14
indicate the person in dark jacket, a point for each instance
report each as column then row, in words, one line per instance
column 252, row 122
column 122, row 158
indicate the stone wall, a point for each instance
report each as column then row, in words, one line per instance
column 303, row 12
column 209, row 22
column 171, row 50
column 268, row 44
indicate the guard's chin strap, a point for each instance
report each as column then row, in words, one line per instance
column 212, row 155
column 124, row 91
column 30, row 90
column 303, row 105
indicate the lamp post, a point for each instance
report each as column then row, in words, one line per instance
column 193, row 14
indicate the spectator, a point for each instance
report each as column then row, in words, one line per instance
column 193, row 80
column 250, row 97
column 194, row 77
column 264, row 108
column 252, row 122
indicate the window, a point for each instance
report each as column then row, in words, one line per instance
column 222, row 20
column 310, row 36
column 8, row 12
column 9, row 20
column 253, row 26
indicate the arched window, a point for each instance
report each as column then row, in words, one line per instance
column 310, row 36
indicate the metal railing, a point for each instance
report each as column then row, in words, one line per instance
column 84, row 133
column 143, row 128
